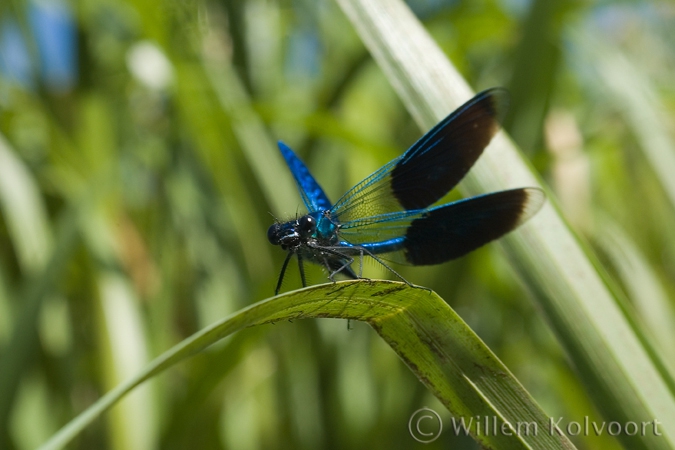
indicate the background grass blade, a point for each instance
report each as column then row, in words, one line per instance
column 259, row 149
column 434, row 342
column 642, row 283
column 25, row 214
column 23, row 209
column 633, row 95
column 575, row 294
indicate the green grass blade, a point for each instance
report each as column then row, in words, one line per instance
column 23, row 209
column 637, row 100
column 426, row 333
column 642, row 283
column 24, row 344
column 258, row 147
column 575, row 294
column 531, row 85
column 24, row 212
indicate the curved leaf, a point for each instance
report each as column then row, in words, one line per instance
column 444, row 353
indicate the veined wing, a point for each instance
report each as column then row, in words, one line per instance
column 436, row 235
column 312, row 195
column 432, row 166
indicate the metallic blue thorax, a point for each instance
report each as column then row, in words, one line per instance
column 326, row 229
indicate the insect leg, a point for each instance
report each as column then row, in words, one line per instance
column 362, row 251
column 301, row 267
column 389, row 268
column 348, row 262
column 334, row 251
column 283, row 271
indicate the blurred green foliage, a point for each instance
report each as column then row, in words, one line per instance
column 136, row 189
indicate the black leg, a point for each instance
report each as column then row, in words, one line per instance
column 283, row 272
column 346, row 261
column 388, row 268
column 362, row 251
column 302, row 271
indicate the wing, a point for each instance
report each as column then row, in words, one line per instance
column 432, row 166
column 433, row 236
column 312, row 195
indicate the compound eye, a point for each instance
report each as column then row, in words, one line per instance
column 273, row 234
column 306, row 225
